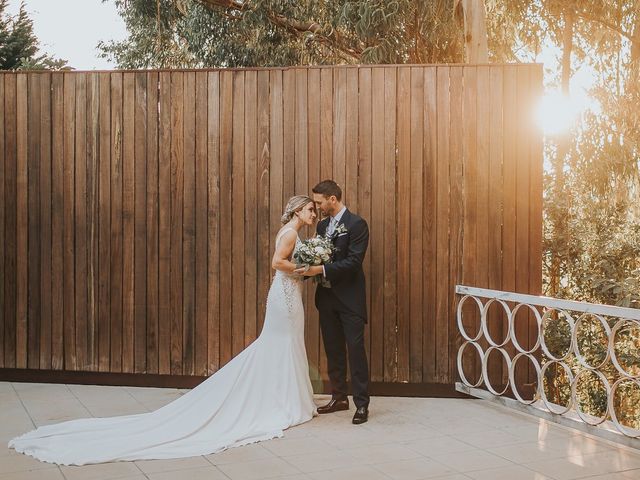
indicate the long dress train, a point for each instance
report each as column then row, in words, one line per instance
column 261, row 392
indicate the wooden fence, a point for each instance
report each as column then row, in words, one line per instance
column 138, row 209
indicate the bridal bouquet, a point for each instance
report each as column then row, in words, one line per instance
column 315, row 251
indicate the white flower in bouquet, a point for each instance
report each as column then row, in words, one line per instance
column 314, row 251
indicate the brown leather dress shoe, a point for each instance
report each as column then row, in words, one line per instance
column 361, row 415
column 334, row 406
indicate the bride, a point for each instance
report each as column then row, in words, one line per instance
column 261, row 392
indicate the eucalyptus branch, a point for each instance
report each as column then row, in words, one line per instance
column 605, row 23
column 300, row 28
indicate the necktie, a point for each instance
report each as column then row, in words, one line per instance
column 332, row 226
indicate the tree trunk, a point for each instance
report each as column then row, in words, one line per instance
column 474, row 17
column 567, row 47
column 635, row 52
column 559, row 219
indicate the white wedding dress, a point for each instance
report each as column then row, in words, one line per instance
column 261, row 392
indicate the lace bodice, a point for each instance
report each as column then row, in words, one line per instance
column 298, row 243
column 286, row 287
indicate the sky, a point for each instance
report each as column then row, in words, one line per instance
column 71, row 29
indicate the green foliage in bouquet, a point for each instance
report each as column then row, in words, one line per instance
column 315, row 251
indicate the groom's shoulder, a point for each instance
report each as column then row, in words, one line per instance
column 355, row 218
column 357, row 223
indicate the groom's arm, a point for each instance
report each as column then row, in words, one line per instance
column 355, row 254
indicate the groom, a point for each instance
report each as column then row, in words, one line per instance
column 341, row 300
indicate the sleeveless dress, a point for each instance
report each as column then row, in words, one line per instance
column 264, row 390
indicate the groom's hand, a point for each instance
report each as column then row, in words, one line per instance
column 311, row 272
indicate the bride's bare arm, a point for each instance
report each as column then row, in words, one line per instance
column 283, row 252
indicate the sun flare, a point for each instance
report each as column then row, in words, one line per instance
column 556, row 113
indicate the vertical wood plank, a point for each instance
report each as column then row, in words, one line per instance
column 377, row 226
column 535, row 200
column 442, row 221
column 79, row 251
column 536, row 188
column 33, row 259
column 226, row 159
column 482, row 193
column 390, row 292
column 364, row 183
column 93, row 219
column 302, row 182
column 289, row 140
column 456, row 209
column 104, row 226
column 116, row 278
column 165, row 304
column 510, row 161
column 470, row 314
column 3, row 203
column 238, row 214
column 403, row 228
column 128, row 220
column 10, row 222
column 312, row 325
column 416, row 299
column 351, row 144
column 429, row 223
column 326, row 162
column 22, row 220
column 177, row 205
column 251, row 201
column 522, row 320
column 339, row 125
column 152, row 219
column 57, row 220
column 140, row 226
column 214, row 207
column 276, row 139
column 495, row 204
column 263, row 153
column 69, row 223
column 326, row 123
column 483, row 119
column 201, row 207
column 188, row 227
column 301, row 135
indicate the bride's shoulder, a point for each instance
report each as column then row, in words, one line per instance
column 287, row 233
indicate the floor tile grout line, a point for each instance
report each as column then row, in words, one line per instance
column 80, row 401
column 62, row 472
column 24, row 406
column 138, row 401
column 601, row 474
column 536, row 471
column 215, row 466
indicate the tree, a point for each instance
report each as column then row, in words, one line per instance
column 19, row 45
column 232, row 33
column 474, row 15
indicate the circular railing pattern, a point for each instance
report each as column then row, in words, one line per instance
column 584, row 368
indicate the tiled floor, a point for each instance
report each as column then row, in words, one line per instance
column 405, row 439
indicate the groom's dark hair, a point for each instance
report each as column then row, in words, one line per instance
column 328, row 188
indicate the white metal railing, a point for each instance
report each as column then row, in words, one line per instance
column 543, row 309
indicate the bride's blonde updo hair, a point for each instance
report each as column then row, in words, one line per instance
column 295, row 204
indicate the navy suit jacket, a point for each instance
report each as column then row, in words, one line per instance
column 345, row 271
